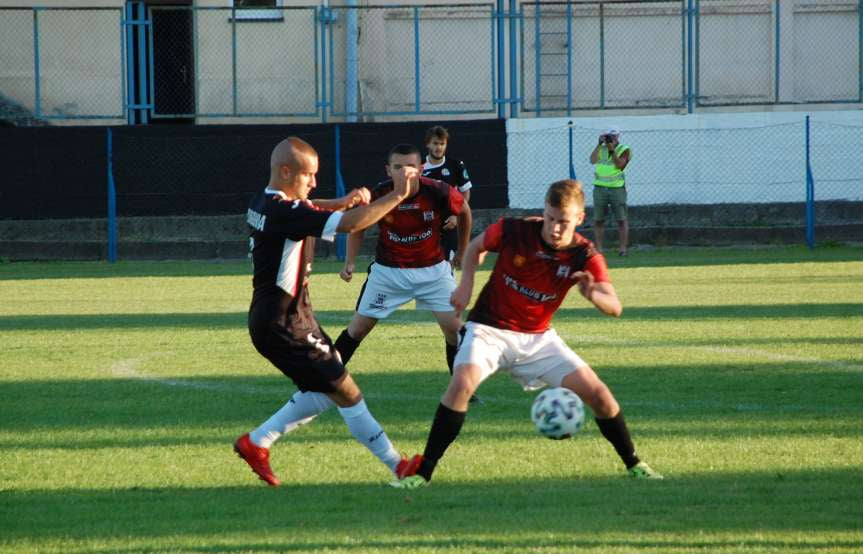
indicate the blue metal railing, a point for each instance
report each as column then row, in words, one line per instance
column 538, row 67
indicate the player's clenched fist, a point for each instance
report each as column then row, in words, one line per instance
column 459, row 298
column 347, row 273
column 359, row 197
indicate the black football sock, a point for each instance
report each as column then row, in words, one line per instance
column 445, row 428
column 451, row 349
column 346, row 345
column 615, row 431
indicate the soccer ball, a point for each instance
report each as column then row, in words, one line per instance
column 558, row 413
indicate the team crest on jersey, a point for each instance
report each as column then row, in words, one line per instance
column 444, row 172
column 518, row 260
column 428, row 216
column 563, row 271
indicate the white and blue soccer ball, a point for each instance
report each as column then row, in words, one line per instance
column 558, row 413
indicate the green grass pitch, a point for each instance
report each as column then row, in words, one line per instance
column 123, row 386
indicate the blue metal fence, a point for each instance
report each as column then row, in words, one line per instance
column 144, row 62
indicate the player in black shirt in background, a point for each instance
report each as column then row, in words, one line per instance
column 452, row 172
column 282, row 222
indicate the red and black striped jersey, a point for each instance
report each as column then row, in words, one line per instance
column 409, row 235
column 530, row 279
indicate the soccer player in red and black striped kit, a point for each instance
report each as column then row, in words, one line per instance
column 539, row 260
column 409, row 260
column 282, row 223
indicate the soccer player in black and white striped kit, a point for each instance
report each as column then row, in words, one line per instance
column 452, row 172
column 283, row 223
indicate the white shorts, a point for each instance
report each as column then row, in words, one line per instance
column 534, row 360
column 387, row 288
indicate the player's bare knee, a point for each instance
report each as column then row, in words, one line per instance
column 347, row 393
column 462, row 385
column 360, row 327
column 601, row 401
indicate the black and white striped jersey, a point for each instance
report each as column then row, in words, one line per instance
column 451, row 171
column 282, row 248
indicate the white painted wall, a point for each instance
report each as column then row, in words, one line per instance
column 80, row 60
column 643, row 56
column 698, row 158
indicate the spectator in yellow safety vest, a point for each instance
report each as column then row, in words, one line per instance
column 609, row 186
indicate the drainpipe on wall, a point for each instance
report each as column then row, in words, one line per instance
column 352, row 35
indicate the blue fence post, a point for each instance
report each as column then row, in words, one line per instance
column 696, row 54
column 513, row 60
column 569, row 59
column 234, row 57
column 151, row 67
column 571, row 165
column 601, row 57
column 501, row 68
column 810, row 194
column 144, row 73
column 416, row 60
column 776, row 31
column 37, row 105
column 690, row 32
column 341, row 238
column 537, row 63
column 352, row 60
column 124, row 71
column 323, row 17
column 492, row 60
column 112, row 201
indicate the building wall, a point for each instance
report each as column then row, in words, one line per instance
column 818, row 57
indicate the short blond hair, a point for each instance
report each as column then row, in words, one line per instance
column 565, row 193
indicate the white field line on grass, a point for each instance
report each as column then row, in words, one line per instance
column 128, row 369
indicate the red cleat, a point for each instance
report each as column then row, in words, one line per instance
column 258, row 459
column 408, row 467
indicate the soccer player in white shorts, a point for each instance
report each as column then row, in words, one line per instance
column 539, row 260
column 534, row 360
column 409, row 260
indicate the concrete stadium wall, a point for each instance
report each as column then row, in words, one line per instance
column 226, row 237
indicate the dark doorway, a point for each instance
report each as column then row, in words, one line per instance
column 173, row 62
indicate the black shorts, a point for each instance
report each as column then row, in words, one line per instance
column 306, row 356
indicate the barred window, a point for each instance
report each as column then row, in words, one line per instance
column 258, row 10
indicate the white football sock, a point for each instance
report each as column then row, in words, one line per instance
column 368, row 432
column 300, row 409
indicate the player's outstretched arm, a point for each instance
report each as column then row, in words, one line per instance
column 355, row 243
column 357, row 197
column 465, row 222
column 405, row 184
column 460, row 297
column 600, row 294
